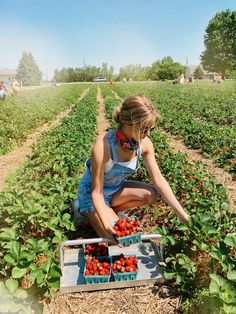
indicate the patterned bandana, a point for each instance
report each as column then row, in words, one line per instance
column 125, row 143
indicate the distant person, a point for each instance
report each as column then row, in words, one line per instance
column 110, row 82
column 16, row 87
column 8, row 89
column 191, row 79
column 181, row 79
column 124, row 80
column 3, row 91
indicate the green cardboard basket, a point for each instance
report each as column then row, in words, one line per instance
column 130, row 239
column 98, row 278
column 126, row 275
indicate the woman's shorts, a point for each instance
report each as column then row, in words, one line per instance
column 85, row 198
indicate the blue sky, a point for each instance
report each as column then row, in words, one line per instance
column 120, row 32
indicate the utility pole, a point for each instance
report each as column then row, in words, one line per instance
column 46, row 69
column 186, row 70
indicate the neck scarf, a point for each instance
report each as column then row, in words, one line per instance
column 124, row 142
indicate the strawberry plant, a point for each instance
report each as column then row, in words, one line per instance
column 34, row 206
column 193, row 261
column 20, row 116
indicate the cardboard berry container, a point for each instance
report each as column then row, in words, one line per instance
column 93, row 254
column 125, row 276
column 98, row 278
column 130, row 239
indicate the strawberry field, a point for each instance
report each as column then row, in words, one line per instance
column 200, row 258
column 204, row 116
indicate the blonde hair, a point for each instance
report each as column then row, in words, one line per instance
column 136, row 110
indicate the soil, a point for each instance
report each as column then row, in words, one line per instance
column 102, row 123
column 221, row 176
column 11, row 161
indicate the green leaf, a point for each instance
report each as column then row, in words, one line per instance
column 214, row 287
column 18, row 272
column 183, row 227
column 171, row 239
column 53, row 283
column 16, row 248
column 224, row 206
column 8, row 234
column 47, row 264
column 231, row 240
column 27, row 255
column 66, row 217
column 169, row 276
column 33, row 275
column 10, row 260
column 229, row 309
column 231, row 275
column 40, row 277
column 12, row 285
column 55, row 272
column 21, row 294
column 179, row 279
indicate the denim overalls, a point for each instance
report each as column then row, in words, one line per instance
column 113, row 179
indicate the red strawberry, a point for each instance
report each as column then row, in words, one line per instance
column 127, row 268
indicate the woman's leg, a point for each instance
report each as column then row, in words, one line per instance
column 133, row 194
column 96, row 222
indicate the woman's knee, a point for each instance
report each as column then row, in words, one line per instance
column 150, row 196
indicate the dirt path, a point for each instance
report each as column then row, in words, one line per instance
column 140, row 300
column 221, row 176
column 11, row 161
column 102, row 123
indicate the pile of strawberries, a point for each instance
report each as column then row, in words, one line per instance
column 96, row 267
column 122, row 264
column 126, row 226
column 96, row 249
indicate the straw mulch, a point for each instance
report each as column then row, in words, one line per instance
column 143, row 300
column 162, row 299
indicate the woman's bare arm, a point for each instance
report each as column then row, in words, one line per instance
column 100, row 155
column 160, row 183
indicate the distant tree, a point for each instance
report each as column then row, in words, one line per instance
column 230, row 74
column 198, row 73
column 166, row 69
column 28, row 71
column 220, row 43
column 132, row 71
column 153, row 71
column 111, row 72
column 104, row 70
column 85, row 74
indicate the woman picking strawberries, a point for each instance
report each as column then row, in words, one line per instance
column 103, row 190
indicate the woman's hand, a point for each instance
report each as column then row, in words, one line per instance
column 183, row 217
column 110, row 233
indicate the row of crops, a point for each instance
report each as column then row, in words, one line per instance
column 204, row 116
column 34, row 207
column 201, row 257
column 20, row 116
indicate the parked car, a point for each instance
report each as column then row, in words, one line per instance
column 100, row 79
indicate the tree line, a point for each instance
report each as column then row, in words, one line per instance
column 165, row 69
column 219, row 56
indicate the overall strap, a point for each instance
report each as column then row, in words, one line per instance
column 139, row 154
column 111, row 140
